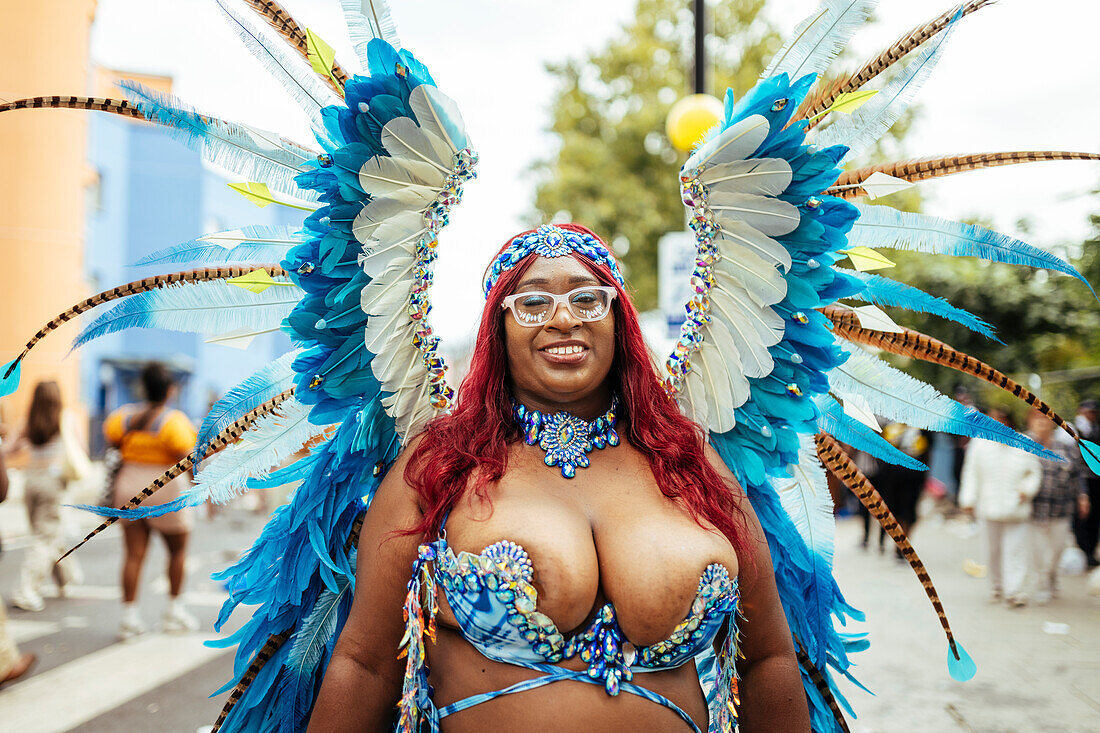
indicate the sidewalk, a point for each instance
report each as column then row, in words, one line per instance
column 1029, row 679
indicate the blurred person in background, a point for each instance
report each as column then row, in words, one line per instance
column 151, row 437
column 13, row 665
column 997, row 485
column 1061, row 487
column 1086, row 525
column 54, row 459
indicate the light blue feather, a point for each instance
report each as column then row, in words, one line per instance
column 10, row 374
column 210, row 307
column 311, row 641
column 806, row 499
column 255, row 154
column 257, row 243
column 883, row 291
column 257, row 389
column 299, row 81
column 818, row 39
column 866, row 125
column 267, row 443
column 897, row 396
column 883, row 226
column 844, row 428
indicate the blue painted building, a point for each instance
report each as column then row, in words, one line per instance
column 152, row 192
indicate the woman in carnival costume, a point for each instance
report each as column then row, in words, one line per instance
column 578, row 541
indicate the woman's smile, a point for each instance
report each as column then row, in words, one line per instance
column 570, row 352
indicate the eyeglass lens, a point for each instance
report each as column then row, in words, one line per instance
column 586, row 304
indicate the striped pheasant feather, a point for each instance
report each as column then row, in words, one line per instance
column 845, row 469
column 826, row 93
column 286, row 26
column 920, row 169
column 201, row 274
column 64, row 101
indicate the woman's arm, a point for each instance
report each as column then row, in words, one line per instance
column 772, row 697
column 363, row 682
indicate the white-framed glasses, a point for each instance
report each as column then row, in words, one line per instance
column 536, row 308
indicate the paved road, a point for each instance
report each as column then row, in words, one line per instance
column 85, row 680
column 1028, row 680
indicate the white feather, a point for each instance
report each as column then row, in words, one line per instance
column 770, row 216
column 736, row 142
column 866, row 125
column 819, row 38
column 364, row 227
column 743, row 322
column 304, row 86
column 367, row 20
column 759, row 278
column 439, row 115
column 738, row 237
column 763, row 176
column 383, row 175
column 808, row 503
column 402, row 138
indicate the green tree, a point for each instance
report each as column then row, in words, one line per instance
column 616, row 171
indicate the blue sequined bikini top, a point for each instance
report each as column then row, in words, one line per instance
column 495, row 604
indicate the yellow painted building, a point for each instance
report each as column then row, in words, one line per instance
column 43, row 178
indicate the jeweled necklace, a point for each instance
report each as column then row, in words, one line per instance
column 567, row 438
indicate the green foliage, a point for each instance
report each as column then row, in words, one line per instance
column 616, row 171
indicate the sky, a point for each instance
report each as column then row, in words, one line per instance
column 1019, row 75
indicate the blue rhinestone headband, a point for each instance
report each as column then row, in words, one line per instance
column 551, row 241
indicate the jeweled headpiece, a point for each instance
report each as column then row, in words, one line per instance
column 551, row 241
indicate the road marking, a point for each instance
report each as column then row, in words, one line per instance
column 96, row 683
column 23, row 631
column 158, row 587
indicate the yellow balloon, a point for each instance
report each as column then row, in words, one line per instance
column 691, row 118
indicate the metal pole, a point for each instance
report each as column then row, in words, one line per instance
column 700, row 48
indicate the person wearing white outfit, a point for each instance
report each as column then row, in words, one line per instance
column 997, row 485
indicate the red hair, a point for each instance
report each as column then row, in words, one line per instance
column 472, row 441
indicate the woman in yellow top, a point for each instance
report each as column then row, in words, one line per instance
column 152, row 437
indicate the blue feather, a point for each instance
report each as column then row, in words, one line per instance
column 883, row 226
column 255, row 243
column 883, row 291
column 210, row 307
column 255, row 154
column 836, row 423
column 9, row 376
column 897, row 396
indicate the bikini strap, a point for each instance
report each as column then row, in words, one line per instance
column 557, row 674
column 443, row 525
